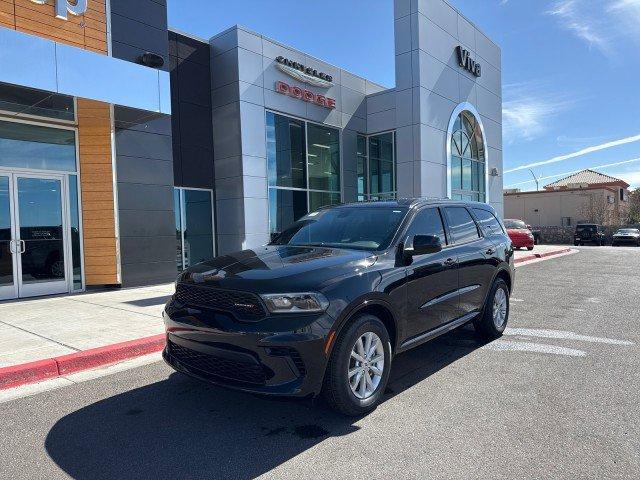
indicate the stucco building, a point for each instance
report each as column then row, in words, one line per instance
column 586, row 196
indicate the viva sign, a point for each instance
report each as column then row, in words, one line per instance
column 468, row 63
column 64, row 7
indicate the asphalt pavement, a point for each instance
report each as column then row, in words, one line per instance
column 556, row 397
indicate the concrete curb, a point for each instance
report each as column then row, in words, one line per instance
column 40, row 370
column 535, row 256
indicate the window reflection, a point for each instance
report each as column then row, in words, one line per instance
column 376, row 167
column 467, row 159
column 194, row 226
column 75, row 232
column 303, row 162
column 32, row 146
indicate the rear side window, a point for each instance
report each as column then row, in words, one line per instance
column 428, row 222
column 463, row 227
column 489, row 224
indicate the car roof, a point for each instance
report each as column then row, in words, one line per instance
column 415, row 203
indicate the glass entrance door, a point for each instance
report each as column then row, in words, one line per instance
column 41, row 229
column 34, row 245
column 8, row 248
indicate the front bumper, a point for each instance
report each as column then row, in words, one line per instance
column 522, row 242
column 625, row 241
column 277, row 356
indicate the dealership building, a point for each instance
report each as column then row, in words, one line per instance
column 129, row 150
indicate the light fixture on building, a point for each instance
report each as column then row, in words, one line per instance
column 494, row 172
column 152, row 60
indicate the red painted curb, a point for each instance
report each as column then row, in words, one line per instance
column 535, row 256
column 17, row 375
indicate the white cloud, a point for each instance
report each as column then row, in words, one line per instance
column 599, row 23
column 527, row 110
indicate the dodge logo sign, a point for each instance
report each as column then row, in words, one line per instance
column 304, row 94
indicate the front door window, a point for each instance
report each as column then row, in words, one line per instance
column 41, row 230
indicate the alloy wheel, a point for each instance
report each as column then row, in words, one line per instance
column 366, row 365
column 499, row 308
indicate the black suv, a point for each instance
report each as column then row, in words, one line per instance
column 327, row 305
column 589, row 233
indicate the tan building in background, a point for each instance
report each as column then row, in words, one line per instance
column 587, row 196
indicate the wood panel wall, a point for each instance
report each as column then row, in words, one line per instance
column 88, row 31
column 101, row 256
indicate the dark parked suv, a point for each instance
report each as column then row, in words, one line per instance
column 328, row 304
column 589, row 233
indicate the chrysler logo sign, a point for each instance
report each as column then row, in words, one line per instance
column 63, row 7
column 303, row 73
column 468, row 63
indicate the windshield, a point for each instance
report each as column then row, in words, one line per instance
column 514, row 224
column 361, row 228
column 628, row 231
column 587, row 228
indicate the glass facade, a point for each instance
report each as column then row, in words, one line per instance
column 376, row 167
column 303, row 163
column 30, row 146
column 76, row 251
column 194, row 226
column 467, row 160
column 28, row 101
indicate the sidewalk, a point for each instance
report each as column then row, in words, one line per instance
column 63, row 326
column 50, row 337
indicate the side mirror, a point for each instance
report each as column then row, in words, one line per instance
column 423, row 244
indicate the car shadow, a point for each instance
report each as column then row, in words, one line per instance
column 181, row 428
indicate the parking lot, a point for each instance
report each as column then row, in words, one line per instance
column 555, row 397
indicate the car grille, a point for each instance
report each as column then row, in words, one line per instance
column 244, row 306
column 216, row 366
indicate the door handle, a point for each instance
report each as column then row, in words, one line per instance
column 491, row 251
column 23, row 246
column 11, row 249
column 449, row 262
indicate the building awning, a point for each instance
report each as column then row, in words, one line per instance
column 39, row 63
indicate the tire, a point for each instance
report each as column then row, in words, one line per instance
column 529, row 248
column 337, row 388
column 485, row 325
column 576, row 244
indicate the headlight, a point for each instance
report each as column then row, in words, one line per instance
column 295, row 302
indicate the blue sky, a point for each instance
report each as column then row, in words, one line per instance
column 570, row 68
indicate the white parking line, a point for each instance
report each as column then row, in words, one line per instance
column 543, row 333
column 502, row 345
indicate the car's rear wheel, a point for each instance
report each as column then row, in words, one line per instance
column 495, row 315
column 358, row 368
column 529, row 248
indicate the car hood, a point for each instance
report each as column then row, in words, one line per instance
column 279, row 268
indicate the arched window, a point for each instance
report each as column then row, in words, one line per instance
column 467, row 159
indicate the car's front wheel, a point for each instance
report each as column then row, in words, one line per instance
column 358, row 368
column 493, row 319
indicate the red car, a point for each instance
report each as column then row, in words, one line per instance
column 519, row 234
